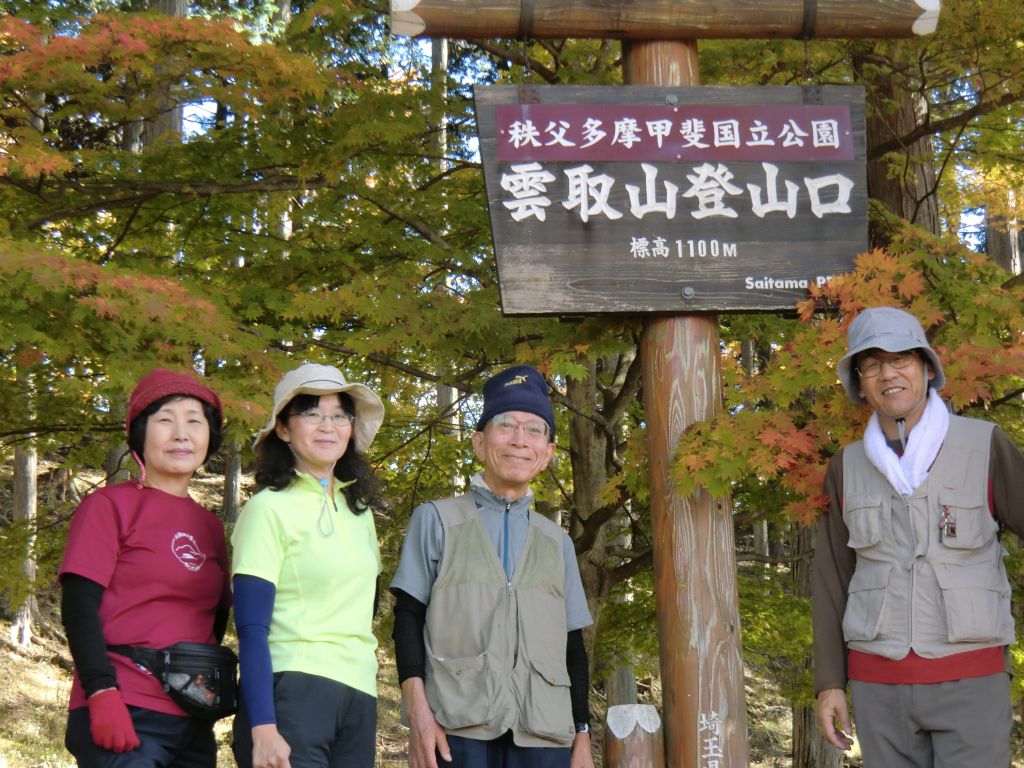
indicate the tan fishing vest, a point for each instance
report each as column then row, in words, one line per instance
column 929, row 572
column 496, row 649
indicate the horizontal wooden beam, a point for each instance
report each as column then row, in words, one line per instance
column 664, row 19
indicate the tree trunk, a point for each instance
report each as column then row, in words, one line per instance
column 170, row 120
column 439, row 97
column 131, row 137
column 232, row 481
column 588, row 448
column 810, row 750
column 748, row 353
column 620, row 686
column 439, row 94
column 1003, row 241
column 177, row 8
column 620, row 683
column 25, row 468
column 761, row 539
column 904, row 181
column 115, row 467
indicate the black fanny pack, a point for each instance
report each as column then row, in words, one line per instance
column 201, row 678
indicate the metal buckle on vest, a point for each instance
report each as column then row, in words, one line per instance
column 947, row 524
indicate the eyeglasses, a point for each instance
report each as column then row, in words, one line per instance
column 336, row 419
column 506, row 426
column 870, row 367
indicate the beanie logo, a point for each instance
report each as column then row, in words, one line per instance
column 520, row 379
column 185, row 548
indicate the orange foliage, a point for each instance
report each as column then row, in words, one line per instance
column 785, row 421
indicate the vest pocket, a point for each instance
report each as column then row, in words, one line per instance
column 972, row 522
column 461, row 691
column 548, row 707
column 977, row 601
column 866, row 517
column 865, row 602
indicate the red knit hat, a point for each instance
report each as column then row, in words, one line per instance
column 160, row 383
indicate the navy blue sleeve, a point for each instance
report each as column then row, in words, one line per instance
column 254, row 605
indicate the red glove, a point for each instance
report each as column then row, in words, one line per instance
column 109, row 722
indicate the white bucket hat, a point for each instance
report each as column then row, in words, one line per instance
column 316, row 379
column 889, row 329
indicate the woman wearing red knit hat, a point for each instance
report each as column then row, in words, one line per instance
column 145, row 566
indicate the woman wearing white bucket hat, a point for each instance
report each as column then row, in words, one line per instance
column 305, row 568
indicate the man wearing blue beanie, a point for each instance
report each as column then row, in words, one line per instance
column 490, row 606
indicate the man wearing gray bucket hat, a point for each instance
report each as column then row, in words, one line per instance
column 910, row 599
column 490, row 606
column 304, row 572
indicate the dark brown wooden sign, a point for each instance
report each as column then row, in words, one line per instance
column 650, row 199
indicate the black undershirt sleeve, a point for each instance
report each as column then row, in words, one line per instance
column 410, row 650
column 579, row 676
column 220, row 623
column 80, row 614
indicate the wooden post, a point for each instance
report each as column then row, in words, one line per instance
column 694, row 566
column 664, row 19
column 632, row 737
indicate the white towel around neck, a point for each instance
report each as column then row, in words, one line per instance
column 908, row 471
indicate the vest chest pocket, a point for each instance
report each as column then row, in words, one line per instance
column 461, row 691
column 977, row 601
column 866, row 517
column 969, row 519
column 865, row 602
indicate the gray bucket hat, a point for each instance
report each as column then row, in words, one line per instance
column 892, row 330
column 316, row 379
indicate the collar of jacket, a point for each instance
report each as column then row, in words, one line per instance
column 485, row 497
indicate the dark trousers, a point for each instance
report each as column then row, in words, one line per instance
column 168, row 741
column 503, row 753
column 326, row 724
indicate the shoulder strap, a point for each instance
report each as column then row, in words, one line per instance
column 455, row 510
column 150, row 658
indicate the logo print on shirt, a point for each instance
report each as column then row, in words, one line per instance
column 187, row 551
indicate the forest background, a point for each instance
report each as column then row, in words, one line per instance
column 235, row 187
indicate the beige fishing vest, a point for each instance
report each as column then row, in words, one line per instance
column 496, row 649
column 929, row 572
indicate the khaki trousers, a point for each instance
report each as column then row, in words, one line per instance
column 962, row 724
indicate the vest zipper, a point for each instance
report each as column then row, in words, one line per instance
column 504, row 552
column 913, row 570
column 514, row 655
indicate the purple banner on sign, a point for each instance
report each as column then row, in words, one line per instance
column 686, row 133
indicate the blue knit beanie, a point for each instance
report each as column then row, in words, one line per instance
column 519, row 388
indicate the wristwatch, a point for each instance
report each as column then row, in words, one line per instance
column 582, row 727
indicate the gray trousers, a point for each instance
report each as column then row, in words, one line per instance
column 327, row 724
column 961, row 724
